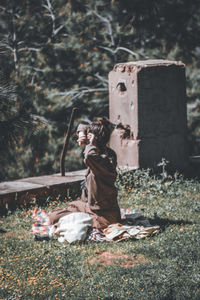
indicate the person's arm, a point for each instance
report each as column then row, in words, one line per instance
column 98, row 163
column 82, row 134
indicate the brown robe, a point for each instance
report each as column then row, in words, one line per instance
column 99, row 197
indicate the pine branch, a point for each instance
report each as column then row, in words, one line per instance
column 13, row 119
column 53, row 18
column 102, row 80
column 30, row 49
column 137, row 56
column 34, row 69
column 108, row 26
column 13, row 127
column 78, row 93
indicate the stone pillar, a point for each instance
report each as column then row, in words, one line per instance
column 149, row 96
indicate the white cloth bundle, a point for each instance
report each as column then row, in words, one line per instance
column 73, row 227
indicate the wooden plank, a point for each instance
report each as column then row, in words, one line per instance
column 21, row 188
column 9, row 187
column 30, row 183
column 56, row 179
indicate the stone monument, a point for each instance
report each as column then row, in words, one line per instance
column 147, row 101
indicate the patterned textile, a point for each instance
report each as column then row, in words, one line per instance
column 130, row 217
column 118, row 232
column 95, row 235
column 125, row 212
column 41, row 227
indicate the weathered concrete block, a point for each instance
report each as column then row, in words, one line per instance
column 150, row 97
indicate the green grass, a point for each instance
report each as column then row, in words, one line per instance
column 170, row 268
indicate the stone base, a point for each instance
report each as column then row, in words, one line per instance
column 149, row 97
column 147, row 153
column 127, row 150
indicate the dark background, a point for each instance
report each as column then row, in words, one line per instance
column 56, row 54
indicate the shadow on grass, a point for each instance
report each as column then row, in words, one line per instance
column 165, row 222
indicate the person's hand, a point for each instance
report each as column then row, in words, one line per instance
column 82, row 139
column 91, row 138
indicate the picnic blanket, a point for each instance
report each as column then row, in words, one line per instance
column 77, row 227
column 42, row 228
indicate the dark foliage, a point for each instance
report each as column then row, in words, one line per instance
column 57, row 54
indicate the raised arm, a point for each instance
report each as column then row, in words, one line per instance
column 99, row 163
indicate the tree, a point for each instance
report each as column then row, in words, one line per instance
column 58, row 55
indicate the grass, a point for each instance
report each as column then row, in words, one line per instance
column 167, row 265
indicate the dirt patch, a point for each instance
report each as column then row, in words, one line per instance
column 123, row 260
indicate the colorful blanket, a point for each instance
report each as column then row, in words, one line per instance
column 42, row 226
column 134, row 226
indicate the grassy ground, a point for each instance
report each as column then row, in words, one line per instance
column 165, row 266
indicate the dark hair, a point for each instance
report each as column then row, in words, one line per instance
column 102, row 130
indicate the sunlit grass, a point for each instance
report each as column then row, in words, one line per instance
column 51, row 270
